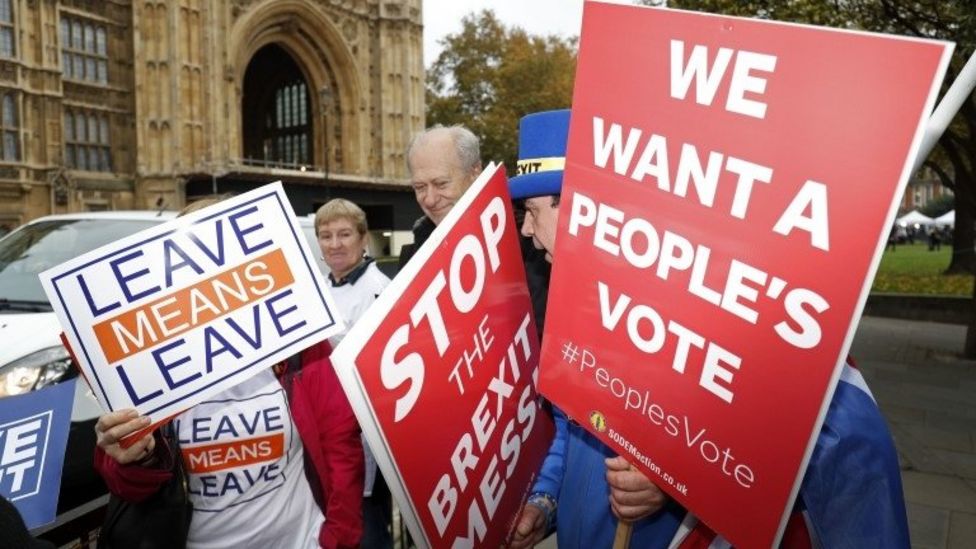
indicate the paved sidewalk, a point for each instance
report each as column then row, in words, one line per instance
column 927, row 393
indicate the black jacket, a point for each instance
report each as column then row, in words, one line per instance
column 421, row 232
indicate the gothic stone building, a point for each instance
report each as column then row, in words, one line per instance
column 136, row 104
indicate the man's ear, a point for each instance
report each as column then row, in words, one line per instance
column 472, row 175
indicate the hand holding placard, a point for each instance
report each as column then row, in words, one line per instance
column 112, row 429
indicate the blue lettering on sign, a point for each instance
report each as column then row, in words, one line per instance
column 138, row 276
column 209, row 335
column 177, row 367
column 96, row 311
column 233, row 482
column 22, row 445
column 167, row 364
column 254, row 342
column 218, row 257
column 276, row 314
column 241, row 232
column 123, row 280
column 202, row 429
column 169, row 248
column 130, row 390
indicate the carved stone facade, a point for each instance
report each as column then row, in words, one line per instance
column 121, row 104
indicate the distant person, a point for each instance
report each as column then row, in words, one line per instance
column 892, row 239
column 946, row 236
column 443, row 162
column 935, row 239
column 355, row 282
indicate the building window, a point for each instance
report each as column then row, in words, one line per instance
column 7, row 29
column 84, row 51
column 277, row 111
column 289, row 128
column 9, row 128
column 86, row 144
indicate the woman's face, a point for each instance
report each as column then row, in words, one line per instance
column 342, row 246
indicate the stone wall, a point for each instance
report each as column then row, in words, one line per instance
column 172, row 96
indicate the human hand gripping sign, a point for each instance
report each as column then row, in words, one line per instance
column 530, row 529
column 632, row 497
column 112, row 427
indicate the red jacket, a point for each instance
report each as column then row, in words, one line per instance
column 330, row 435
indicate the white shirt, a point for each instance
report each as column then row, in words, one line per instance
column 354, row 294
column 245, row 471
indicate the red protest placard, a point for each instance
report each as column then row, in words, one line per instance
column 440, row 372
column 729, row 184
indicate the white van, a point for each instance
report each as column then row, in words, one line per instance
column 31, row 353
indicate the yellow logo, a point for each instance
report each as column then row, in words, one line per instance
column 598, row 421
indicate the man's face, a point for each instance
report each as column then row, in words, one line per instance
column 540, row 223
column 437, row 176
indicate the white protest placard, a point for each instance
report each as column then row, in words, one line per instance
column 165, row 318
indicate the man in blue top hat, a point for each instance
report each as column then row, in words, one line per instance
column 583, row 488
column 851, row 491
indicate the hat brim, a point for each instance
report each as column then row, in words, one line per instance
column 536, row 184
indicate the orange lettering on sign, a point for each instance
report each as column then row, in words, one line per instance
column 171, row 315
column 237, row 453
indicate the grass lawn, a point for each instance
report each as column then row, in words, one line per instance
column 913, row 269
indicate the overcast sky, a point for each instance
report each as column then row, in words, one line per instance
column 443, row 17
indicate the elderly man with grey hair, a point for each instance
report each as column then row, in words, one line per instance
column 443, row 162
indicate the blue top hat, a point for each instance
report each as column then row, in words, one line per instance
column 542, row 154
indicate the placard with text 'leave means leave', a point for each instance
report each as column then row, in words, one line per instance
column 441, row 374
column 728, row 189
column 161, row 320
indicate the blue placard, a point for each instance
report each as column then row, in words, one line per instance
column 33, row 435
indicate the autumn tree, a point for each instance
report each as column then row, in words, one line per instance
column 489, row 75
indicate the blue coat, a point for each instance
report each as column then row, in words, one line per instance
column 574, row 473
column 851, row 493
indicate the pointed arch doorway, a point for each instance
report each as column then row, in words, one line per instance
column 277, row 115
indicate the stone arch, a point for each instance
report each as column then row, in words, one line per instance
column 320, row 51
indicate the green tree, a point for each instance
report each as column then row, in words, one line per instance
column 939, row 205
column 489, row 75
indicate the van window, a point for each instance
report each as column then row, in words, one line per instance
column 36, row 247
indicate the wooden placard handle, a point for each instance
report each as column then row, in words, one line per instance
column 621, row 540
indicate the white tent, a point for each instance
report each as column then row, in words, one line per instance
column 948, row 218
column 914, row 217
